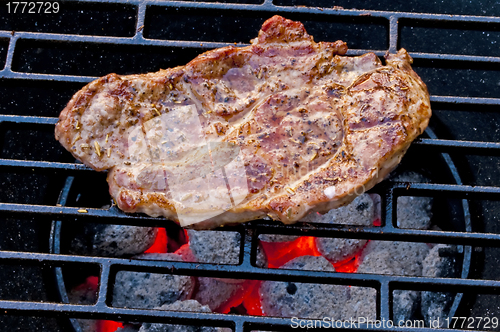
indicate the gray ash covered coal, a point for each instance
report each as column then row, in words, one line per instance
column 361, row 212
column 396, row 258
column 293, row 299
column 216, row 292
column 406, row 304
column 413, row 212
column 85, row 293
column 150, row 290
column 189, row 306
column 362, row 302
column 277, row 237
column 440, row 263
column 413, row 259
column 393, row 257
column 215, row 246
column 111, row 240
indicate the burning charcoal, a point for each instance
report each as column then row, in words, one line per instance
column 215, row 246
column 362, row 303
column 337, row 249
column 112, row 240
column 293, row 299
column 359, row 212
column 440, row 263
column 222, row 248
column 413, row 212
column 149, row 290
column 377, row 206
column 85, row 293
column 221, row 294
column 190, row 306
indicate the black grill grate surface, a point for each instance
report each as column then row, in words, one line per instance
column 63, row 52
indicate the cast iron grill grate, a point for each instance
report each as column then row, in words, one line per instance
column 26, row 52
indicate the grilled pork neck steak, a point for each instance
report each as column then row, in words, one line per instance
column 280, row 128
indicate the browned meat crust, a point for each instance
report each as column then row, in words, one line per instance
column 285, row 126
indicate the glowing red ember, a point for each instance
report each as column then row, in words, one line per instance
column 160, row 244
column 237, row 299
column 108, row 326
column 350, row 265
column 279, row 253
column 253, row 302
column 91, row 285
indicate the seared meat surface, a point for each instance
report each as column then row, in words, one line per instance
column 280, row 128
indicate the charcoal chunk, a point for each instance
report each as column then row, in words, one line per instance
column 396, row 258
column 338, row 250
column 393, row 257
column 216, row 292
column 150, row 290
column 277, row 237
column 215, row 246
column 293, row 299
column 127, row 329
column 189, row 306
column 112, row 240
column 362, row 303
column 359, row 212
column 441, row 262
column 261, row 258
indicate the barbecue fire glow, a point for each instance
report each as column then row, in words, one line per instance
column 248, row 300
column 90, row 286
column 160, row 244
column 278, row 253
column 108, row 326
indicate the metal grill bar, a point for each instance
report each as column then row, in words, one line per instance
column 43, row 165
column 384, row 284
column 387, row 232
column 247, row 272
